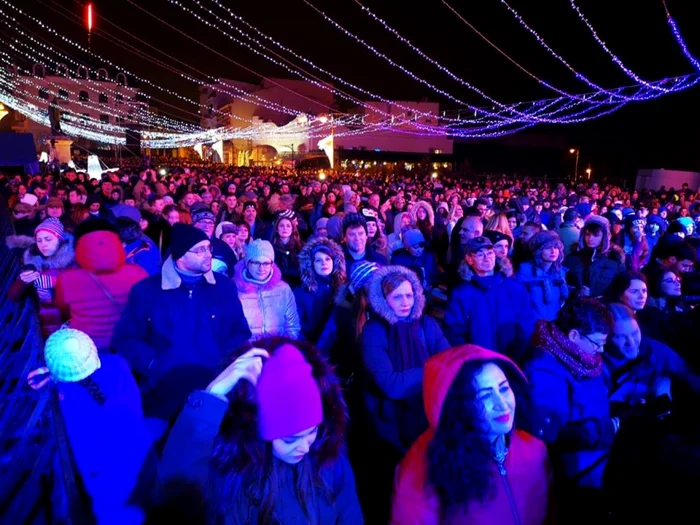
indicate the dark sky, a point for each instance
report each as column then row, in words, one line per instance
column 661, row 133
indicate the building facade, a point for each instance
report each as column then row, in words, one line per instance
column 79, row 94
column 295, row 119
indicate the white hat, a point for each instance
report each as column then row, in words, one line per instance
column 70, row 355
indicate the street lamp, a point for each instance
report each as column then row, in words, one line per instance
column 577, row 152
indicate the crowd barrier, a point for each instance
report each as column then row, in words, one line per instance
column 28, row 446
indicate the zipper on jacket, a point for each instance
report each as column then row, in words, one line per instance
column 511, row 500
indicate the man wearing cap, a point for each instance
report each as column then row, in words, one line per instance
column 180, row 324
column 489, row 309
column 224, row 258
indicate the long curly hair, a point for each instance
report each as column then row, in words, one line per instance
column 460, row 464
column 243, row 462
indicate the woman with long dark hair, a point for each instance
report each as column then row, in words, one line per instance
column 268, row 450
column 474, row 464
column 287, row 244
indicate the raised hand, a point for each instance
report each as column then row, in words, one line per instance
column 248, row 366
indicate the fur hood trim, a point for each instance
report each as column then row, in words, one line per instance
column 306, row 264
column 171, row 280
column 607, row 232
column 428, row 209
column 63, row 258
column 503, row 266
column 245, row 286
column 378, row 302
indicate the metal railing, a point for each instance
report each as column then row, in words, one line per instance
column 27, row 440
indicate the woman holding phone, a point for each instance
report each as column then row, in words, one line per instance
column 46, row 255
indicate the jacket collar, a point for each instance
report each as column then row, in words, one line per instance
column 171, row 280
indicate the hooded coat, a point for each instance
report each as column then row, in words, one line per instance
column 187, row 459
column 50, row 268
column 269, row 308
column 394, row 240
column 594, row 269
column 93, row 296
column 393, row 393
column 427, row 226
column 521, row 495
column 314, row 298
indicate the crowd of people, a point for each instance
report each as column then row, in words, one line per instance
column 257, row 346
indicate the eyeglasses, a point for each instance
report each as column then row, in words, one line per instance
column 419, row 245
column 202, row 250
column 597, row 346
column 258, row 264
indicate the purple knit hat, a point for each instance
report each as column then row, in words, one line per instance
column 51, row 225
column 289, row 399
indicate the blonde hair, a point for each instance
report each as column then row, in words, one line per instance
column 499, row 223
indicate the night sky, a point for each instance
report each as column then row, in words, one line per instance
column 661, row 133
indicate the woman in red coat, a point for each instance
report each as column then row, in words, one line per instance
column 473, row 466
column 92, row 296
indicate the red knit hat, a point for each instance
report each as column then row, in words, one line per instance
column 289, row 399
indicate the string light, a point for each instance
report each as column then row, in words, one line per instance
column 437, row 90
column 104, row 60
column 98, row 87
column 612, row 55
column 679, row 38
column 498, row 121
column 303, row 59
column 442, row 68
column 647, row 95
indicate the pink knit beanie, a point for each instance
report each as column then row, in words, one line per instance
column 289, row 399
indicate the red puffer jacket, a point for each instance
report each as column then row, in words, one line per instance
column 92, row 296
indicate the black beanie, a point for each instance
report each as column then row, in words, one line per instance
column 183, row 238
column 93, row 224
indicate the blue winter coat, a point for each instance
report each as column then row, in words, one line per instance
column 393, row 393
column 492, row 312
column 177, row 337
column 547, row 290
column 144, row 253
column 110, row 442
column 574, row 416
